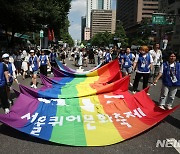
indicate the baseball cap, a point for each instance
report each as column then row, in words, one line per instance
column 31, row 51
column 5, row 55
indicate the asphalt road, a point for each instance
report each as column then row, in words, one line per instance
column 15, row 142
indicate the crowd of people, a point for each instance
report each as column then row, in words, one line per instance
column 150, row 65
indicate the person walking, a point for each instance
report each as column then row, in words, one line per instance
column 63, row 55
column 18, row 63
column 143, row 65
column 11, row 74
column 80, row 61
column 33, row 68
column 114, row 53
column 157, row 61
column 100, row 56
column 127, row 62
column 108, row 56
column 76, row 57
column 85, row 57
column 170, row 73
column 44, row 61
column 52, row 58
column 24, row 66
column 4, row 80
column 121, row 56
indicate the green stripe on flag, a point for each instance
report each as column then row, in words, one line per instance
column 71, row 132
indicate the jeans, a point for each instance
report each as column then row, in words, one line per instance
column 167, row 95
column 154, row 72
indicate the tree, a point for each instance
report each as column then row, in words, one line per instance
column 102, row 39
column 64, row 34
column 29, row 15
column 144, row 31
column 120, row 35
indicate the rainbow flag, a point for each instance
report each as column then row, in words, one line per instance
column 88, row 84
column 72, row 71
column 107, row 70
column 75, row 90
column 95, row 120
column 84, row 112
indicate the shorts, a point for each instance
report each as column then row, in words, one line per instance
column 34, row 72
column 127, row 70
column 10, row 83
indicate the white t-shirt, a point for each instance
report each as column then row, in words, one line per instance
column 100, row 53
column 157, row 57
column 161, row 68
column 133, row 56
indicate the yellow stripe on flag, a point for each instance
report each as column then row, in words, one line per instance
column 98, row 131
column 84, row 88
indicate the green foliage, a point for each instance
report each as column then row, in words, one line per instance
column 121, row 35
column 64, row 34
column 84, row 42
column 102, row 39
column 143, row 33
column 29, row 15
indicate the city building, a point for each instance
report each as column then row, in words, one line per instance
column 87, row 34
column 83, row 25
column 131, row 12
column 95, row 4
column 102, row 21
column 171, row 8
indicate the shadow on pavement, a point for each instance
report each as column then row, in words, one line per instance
column 178, row 94
column 173, row 121
column 6, row 130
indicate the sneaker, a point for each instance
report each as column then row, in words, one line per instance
column 10, row 102
column 169, row 107
column 134, row 92
column 32, row 86
column 162, row 107
column 148, row 94
column 6, row 110
column 35, row 87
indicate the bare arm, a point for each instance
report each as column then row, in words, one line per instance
column 6, row 75
column 157, row 78
column 48, row 62
column 134, row 65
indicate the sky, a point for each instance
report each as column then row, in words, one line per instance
column 78, row 9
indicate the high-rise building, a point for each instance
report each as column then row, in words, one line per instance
column 102, row 21
column 131, row 12
column 83, row 25
column 100, row 4
column 86, row 33
column 95, row 4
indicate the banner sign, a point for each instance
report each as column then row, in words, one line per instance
column 84, row 113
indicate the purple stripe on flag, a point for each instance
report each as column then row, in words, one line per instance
column 23, row 105
column 33, row 93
